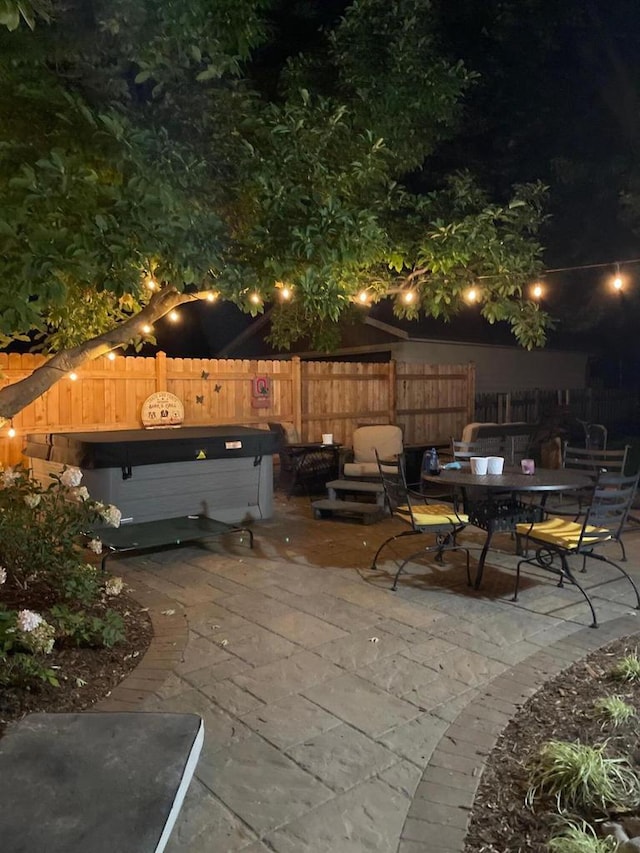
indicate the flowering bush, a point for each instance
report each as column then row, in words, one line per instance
column 43, row 531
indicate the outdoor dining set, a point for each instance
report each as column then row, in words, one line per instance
column 491, row 484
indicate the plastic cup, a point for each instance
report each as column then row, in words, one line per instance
column 327, row 438
column 528, row 466
column 478, row 464
column 495, row 465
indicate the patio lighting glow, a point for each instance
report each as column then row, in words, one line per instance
column 285, row 293
column 11, row 431
column 363, row 297
column 617, row 282
column 471, row 295
column 255, row 298
column 211, row 296
column 409, row 297
column 152, row 284
column 111, row 356
column 73, row 376
column 147, row 329
column 173, row 316
column 536, row 291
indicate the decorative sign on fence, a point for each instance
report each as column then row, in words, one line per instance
column 162, row 409
column 260, row 392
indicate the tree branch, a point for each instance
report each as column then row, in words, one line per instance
column 15, row 397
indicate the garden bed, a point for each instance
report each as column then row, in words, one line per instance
column 561, row 710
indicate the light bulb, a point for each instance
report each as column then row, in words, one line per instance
column 255, row 298
column 363, row 297
column 285, row 293
column 73, row 376
column 173, row 316
column 536, row 291
column 409, row 296
column 11, row 432
column 151, row 283
column 147, row 329
column 211, row 297
column 111, row 356
column 617, row 283
column 471, row 295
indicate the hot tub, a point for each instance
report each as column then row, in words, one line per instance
column 220, row 471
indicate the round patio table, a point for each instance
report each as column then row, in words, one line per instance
column 492, row 501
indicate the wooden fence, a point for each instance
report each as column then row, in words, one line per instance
column 430, row 402
column 617, row 409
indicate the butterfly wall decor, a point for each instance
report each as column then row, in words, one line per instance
column 204, row 375
column 217, row 388
column 199, row 398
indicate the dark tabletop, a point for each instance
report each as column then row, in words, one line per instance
column 544, row 480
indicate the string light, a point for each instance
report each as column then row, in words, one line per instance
column 152, row 283
column 471, row 295
column 173, row 316
column 11, row 431
column 73, row 376
column 211, row 296
column 146, row 329
column 537, row 291
column 617, row 280
column 363, row 297
column 111, row 356
column 255, row 298
column 409, row 297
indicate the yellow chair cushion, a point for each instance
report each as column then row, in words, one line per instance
column 425, row 515
column 562, row 532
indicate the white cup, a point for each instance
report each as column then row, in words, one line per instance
column 327, row 438
column 478, row 464
column 495, row 464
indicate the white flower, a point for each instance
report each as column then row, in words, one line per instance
column 111, row 514
column 42, row 638
column 9, row 476
column 3, row 575
column 114, row 586
column 95, row 545
column 71, row 477
column 28, row 620
column 32, row 501
column 81, row 493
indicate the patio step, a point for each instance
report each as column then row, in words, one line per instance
column 336, row 488
column 367, row 513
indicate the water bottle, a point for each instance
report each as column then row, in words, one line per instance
column 434, row 462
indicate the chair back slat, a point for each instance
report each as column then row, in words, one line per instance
column 592, row 461
column 612, row 497
column 393, row 477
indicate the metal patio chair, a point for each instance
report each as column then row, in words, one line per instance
column 556, row 539
column 442, row 521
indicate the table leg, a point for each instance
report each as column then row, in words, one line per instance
column 483, row 557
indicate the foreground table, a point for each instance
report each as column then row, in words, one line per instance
column 493, row 502
column 95, row 782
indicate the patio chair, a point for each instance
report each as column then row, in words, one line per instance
column 462, row 451
column 442, row 521
column 556, row 539
column 382, row 439
column 590, row 461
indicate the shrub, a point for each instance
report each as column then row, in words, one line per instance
column 85, row 629
column 578, row 775
column 25, row 641
column 628, row 668
column 613, row 710
column 581, row 838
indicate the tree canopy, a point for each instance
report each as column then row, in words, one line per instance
column 156, row 151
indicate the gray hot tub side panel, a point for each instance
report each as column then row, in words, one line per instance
column 232, row 490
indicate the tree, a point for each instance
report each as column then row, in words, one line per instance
column 145, row 162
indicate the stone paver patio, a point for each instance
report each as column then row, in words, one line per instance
column 341, row 717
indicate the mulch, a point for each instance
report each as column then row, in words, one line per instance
column 561, row 710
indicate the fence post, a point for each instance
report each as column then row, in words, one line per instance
column 471, row 392
column 393, row 392
column 507, row 407
column 296, row 394
column 161, row 371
